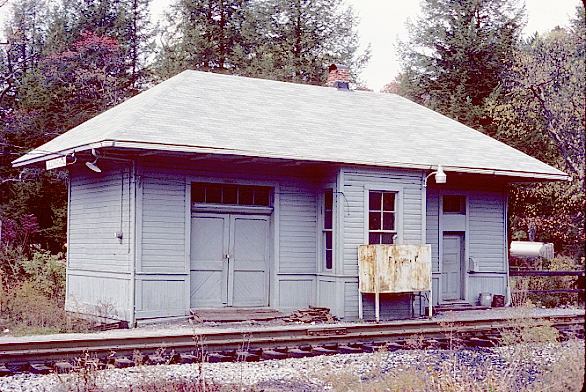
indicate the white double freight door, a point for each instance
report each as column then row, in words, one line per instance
column 229, row 260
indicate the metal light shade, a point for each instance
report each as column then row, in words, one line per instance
column 440, row 175
column 94, row 165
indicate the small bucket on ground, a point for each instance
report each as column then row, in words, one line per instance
column 485, row 299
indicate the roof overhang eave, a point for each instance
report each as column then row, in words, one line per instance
column 56, row 154
column 529, row 176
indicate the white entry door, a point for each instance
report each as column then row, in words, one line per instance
column 452, row 257
column 229, row 260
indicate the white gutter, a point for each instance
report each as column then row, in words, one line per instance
column 220, row 151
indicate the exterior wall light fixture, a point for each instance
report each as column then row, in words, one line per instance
column 94, row 165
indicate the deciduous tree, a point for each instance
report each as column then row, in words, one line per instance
column 540, row 110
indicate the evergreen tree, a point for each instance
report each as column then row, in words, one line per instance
column 138, row 33
column 300, row 38
column 25, row 35
column 276, row 39
column 203, row 35
column 127, row 21
column 456, row 54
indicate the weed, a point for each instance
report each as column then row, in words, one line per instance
column 530, row 359
column 521, row 284
column 31, row 299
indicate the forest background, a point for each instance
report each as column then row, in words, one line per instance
column 66, row 61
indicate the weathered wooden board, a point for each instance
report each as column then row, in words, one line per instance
column 394, row 268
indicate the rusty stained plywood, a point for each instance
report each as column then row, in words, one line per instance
column 394, row 268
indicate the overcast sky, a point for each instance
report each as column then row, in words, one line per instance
column 382, row 22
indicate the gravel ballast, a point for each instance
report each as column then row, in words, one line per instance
column 305, row 374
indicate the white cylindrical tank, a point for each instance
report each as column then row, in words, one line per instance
column 532, row 249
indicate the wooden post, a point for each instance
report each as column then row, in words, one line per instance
column 377, row 305
column 379, row 255
column 429, row 312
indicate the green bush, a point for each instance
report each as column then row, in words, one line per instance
column 10, row 265
column 32, row 293
column 46, row 272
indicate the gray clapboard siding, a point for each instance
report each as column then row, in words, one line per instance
column 408, row 218
column 99, row 264
column 99, row 207
column 161, row 296
column 98, row 293
column 432, row 226
column 356, row 182
column 487, row 227
column 392, row 306
column 296, row 292
column 163, row 221
column 350, row 301
column 326, row 288
column 162, row 279
column 297, row 229
column 487, row 283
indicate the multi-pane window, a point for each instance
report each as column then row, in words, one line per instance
column 454, row 204
column 328, row 228
column 381, row 217
column 230, row 194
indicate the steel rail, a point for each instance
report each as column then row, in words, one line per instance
column 48, row 351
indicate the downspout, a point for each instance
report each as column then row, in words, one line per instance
column 506, row 255
column 424, row 234
column 68, row 234
column 440, row 178
column 133, row 258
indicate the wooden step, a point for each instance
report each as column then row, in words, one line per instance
column 236, row 314
column 458, row 307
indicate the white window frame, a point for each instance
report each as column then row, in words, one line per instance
column 323, row 230
column 464, row 204
column 398, row 190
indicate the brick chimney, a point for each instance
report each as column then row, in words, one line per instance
column 339, row 77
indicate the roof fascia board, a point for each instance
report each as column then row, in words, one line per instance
column 56, row 154
column 207, row 150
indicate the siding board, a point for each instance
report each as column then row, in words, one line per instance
column 297, row 230
column 99, row 206
column 163, row 221
column 487, row 231
column 356, row 181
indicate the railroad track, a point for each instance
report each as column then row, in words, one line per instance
column 65, row 354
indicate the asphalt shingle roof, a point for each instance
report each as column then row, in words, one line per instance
column 206, row 112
